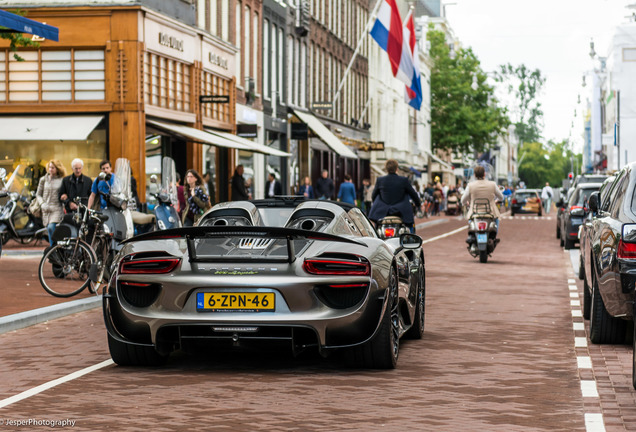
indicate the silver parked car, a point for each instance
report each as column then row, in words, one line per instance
column 312, row 273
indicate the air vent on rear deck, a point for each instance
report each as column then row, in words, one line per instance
column 255, row 243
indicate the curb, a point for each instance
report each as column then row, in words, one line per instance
column 36, row 316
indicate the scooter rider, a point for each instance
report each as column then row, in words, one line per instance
column 391, row 196
column 482, row 188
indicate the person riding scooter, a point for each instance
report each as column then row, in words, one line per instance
column 391, row 196
column 481, row 189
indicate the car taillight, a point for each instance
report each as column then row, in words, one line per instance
column 626, row 250
column 574, row 207
column 389, row 232
column 148, row 265
column 481, row 226
column 320, row 266
column 514, row 201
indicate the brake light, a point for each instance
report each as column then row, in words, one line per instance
column 149, row 266
column 514, row 200
column 626, row 250
column 389, row 232
column 319, row 266
column 574, row 207
column 481, row 226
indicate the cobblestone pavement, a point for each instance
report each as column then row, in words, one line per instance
column 498, row 355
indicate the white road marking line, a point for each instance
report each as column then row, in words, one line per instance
column 578, row 326
column 580, row 342
column 574, row 295
column 572, row 288
column 588, row 388
column 584, row 362
column 575, row 303
column 577, row 313
column 594, row 422
column 571, row 281
column 43, row 387
column 445, row 235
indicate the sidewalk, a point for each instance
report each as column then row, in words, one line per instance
column 26, row 303
column 24, row 300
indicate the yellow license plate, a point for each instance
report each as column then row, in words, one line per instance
column 236, row 301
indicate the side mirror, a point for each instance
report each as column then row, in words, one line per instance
column 628, row 234
column 410, row 241
column 593, row 202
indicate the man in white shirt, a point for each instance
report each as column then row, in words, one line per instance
column 546, row 196
column 273, row 187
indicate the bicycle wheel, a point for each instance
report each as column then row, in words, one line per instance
column 102, row 252
column 63, row 270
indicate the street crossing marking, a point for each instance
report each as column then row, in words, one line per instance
column 577, row 313
column 575, row 303
column 594, row 422
column 56, row 382
column 580, row 342
column 574, row 295
column 578, row 326
column 584, row 362
column 588, row 388
column 571, row 281
column 572, row 288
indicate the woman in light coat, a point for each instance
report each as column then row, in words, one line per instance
column 48, row 189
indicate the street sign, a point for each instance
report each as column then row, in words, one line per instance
column 247, row 130
column 322, row 105
column 214, row 99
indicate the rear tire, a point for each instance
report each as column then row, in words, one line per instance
column 581, row 268
column 634, row 354
column 382, row 351
column 604, row 328
column 417, row 329
column 134, row 355
column 483, row 257
column 587, row 300
column 568, row 244
column 558, row 233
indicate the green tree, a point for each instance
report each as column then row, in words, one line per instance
column 524, row 86
column 17, row 40
column 546, row 163
column 464, row 115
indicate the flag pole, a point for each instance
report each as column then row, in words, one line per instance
column 355, row 53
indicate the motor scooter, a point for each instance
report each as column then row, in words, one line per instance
column 15, row 221
column 482, row 231
column 165, row 208
column 391, row 226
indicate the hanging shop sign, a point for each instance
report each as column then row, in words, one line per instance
column 247, row 130
column 214, row 99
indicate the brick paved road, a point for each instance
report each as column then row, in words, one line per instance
column 498, row 355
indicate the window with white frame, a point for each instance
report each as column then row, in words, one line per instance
column 255, row 33
column 238, row 18
column 247, row 53
column 266, row 55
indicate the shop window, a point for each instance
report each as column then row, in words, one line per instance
column 51, row 76
column 212, row 84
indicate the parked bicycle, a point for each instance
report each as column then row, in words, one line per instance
column 81, row 261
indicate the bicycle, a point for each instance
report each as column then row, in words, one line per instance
column 74, row 262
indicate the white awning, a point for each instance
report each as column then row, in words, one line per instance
column 199, row 135
column 440, row 161
column 256, row 147
column 325, row 134
column 379, row 170
column 47, row 128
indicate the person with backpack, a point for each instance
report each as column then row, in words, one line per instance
column 546, row 197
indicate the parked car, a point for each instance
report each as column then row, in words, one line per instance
column 526, row 201
column 575, row 212
column 610, row 261
column 585, row 243
column 312, row 274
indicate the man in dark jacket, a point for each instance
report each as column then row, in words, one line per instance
column 391, row 196
column 75, row 185
column 273, row 186
column 239, row 191
column 325, row 189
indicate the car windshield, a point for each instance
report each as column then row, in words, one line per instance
column 583, row 196
column 525, row 195
column 592, row 179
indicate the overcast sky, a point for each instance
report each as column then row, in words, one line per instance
column 550, row 35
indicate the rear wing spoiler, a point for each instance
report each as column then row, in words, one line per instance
column 190, row 234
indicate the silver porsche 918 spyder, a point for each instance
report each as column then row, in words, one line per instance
column 310, row 273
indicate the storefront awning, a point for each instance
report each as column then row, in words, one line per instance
column 18, row 24
column 47, row 128
column 440, row 161
column 199, row 135
column 378, row 170
column 255, row 147
column 325, row 134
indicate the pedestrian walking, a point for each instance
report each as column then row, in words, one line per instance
column 76, row 185
column 546, row 196
column 306, row 189
column 366, row 193
column 208, row 178
column 325, row 188
column 197, row 201
column 48, row 190
column 239, row 191
column 347, row 192
column 180, row 196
